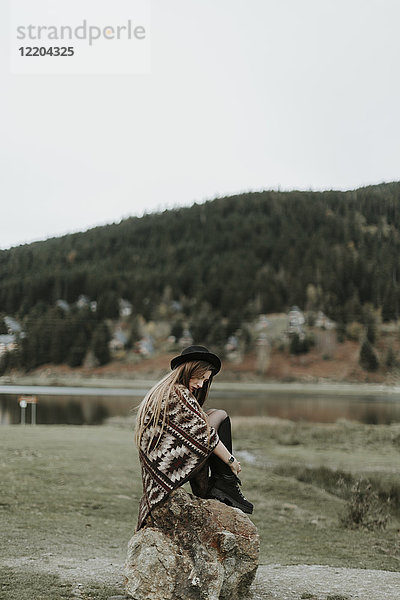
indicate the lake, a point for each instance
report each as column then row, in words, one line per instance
column 314, row 403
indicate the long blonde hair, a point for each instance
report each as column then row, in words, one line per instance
column 155, row 403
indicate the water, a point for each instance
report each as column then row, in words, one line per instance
column 76, row 406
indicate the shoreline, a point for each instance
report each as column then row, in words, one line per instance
column 11, row 384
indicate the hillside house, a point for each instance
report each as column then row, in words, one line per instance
column 12, row 325
column 7, row 343
column 295, row 322
column 125, row 308
column 118, row 341
column 63, row 304
column 323, row 321
column 83, row 302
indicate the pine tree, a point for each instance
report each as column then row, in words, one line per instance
column 3, row 326
column 78, row 350
column 368, row 358
column 391, row 359
column 100, row 340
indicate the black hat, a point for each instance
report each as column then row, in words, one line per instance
column 197, row 353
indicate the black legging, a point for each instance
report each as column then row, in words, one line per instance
column 224, row 429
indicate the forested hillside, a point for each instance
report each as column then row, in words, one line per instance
column 252, row 252
column 209, row 268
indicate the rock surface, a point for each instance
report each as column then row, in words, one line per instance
column 195, row 550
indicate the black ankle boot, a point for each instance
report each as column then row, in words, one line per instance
column 225, row 488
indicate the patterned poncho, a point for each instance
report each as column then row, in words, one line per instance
column 183, row 449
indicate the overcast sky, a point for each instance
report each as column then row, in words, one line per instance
column 242, row 95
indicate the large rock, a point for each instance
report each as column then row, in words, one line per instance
column 195, row 550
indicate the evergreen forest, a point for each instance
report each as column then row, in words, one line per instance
column 222, row 261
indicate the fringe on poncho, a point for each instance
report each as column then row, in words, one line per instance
column 179, row 455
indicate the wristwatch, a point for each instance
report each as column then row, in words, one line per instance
column 231, row 460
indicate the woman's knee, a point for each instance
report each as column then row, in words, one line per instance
column 216, row 416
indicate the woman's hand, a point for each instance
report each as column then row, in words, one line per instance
column 223, row 453
column 235, row 466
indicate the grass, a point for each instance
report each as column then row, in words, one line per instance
column 299, row 517
column 41, row 586
column 69, row 495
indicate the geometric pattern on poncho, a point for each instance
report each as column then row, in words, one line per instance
column 176, row 452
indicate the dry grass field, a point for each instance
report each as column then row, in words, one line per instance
column 69, row 500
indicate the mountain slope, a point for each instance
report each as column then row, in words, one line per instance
column 254, row 252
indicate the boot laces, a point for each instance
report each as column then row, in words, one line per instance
column 239, row 491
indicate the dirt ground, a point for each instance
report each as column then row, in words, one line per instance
column 318, row 582
column 341, row 365
column 273, row 581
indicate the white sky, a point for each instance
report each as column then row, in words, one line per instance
column 242, row 95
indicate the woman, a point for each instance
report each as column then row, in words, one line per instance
column 178, row 441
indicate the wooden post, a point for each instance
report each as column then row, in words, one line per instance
column 23, row 405
column 23, row 402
